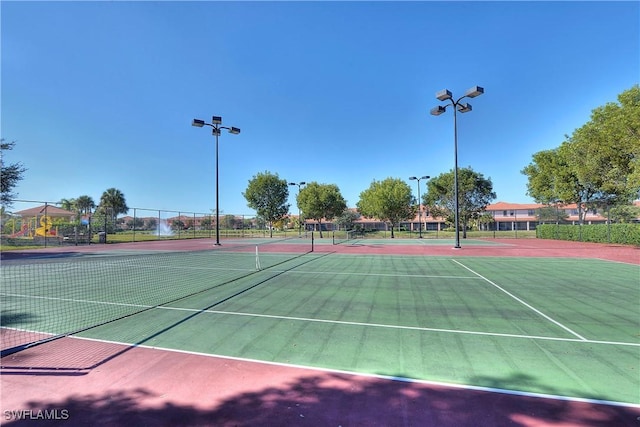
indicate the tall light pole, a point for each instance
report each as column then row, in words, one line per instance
column 299, row 184
column 463, row 107
column 215, row 124
column 413, row 178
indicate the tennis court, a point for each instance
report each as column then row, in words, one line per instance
column 505, row 318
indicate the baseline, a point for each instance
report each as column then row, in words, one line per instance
column 384, row 377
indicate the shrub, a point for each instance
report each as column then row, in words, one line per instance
column 628, row 234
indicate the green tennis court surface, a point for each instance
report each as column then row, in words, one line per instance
column 565, row 327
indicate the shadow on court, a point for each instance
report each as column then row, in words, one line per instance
column 11, row 318
column 324, row 399
column 41, row 254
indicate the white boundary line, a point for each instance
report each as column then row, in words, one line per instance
column 338, row 273
column 342, row 322
column 522, row 301
column 378, row 376
column 411, row 328
column 618, row 262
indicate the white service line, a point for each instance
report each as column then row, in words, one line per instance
column 351, row 273
column 399, row 327
column 522, row 301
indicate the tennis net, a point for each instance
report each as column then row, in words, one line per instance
column 46, row 298
column 344, row 236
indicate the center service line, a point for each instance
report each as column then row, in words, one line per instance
column 521, row 301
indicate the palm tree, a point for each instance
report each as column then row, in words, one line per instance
column 68, row 204
column 113, row 199
column 85, row 204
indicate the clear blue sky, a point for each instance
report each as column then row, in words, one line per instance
column 102, row 94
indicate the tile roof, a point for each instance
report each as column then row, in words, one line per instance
column 45, row 209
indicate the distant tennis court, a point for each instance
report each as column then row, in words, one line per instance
column 528, row 323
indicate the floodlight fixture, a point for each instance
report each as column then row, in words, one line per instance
column 436, row 111
column 474, row 91
column 443, row 95
column 197, row 123
column 464, row 107
column 412, row 178
column 216, row 120
column 234, row 130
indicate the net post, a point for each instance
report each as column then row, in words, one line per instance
column 312, row 241
column 258, row 267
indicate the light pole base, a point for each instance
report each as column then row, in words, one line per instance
column 217, row 244
column 457, row 247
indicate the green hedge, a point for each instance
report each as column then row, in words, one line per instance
column 628, row 234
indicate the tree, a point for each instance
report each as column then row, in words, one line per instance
column 553, row 180
column 85, row 204
column 389, row 200
column 598, row 164
column 551, row 214
column 81, row 206
column 267, row 194
column 151, row 223
column 113, row 203
column 68, row 204
column 623, row 213
column 260, row 222
column 295, row 223
column 135, row 224
column 475, row 192
column 347, row 219
column 206, row 223
column 484, row 220
column 10, row 175
column 545, row 180
column 321, row 201
column 229, row 222
column 279, row 224
column 609, row 147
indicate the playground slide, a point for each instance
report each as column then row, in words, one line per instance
column 22, row 233
column 42, row 232
column 45, row 229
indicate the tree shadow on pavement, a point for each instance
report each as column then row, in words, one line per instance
column 325, row 399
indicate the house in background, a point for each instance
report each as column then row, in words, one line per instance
column 504, row 217
column 523, row 216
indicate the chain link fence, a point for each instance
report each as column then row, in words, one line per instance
column 43, row 223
